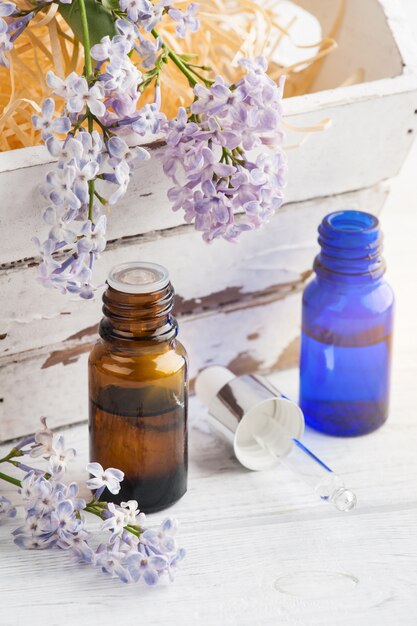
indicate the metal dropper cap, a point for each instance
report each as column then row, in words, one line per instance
column 264, row 427
column 244, row 408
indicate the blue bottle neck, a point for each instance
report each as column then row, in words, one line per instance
column 351, row 248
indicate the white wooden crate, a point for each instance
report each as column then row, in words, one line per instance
column 233, row 293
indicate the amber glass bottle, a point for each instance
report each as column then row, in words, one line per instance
column 138, row 388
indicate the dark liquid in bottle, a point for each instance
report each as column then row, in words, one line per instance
column 344, row 388
column 142, row 430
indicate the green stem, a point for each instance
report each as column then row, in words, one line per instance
column 91, row 194
column 76, row 126
column 86, row 39
column 10, row 479
column 99, row 197
column 91, row 508
column 176, row 59
column 206, row 81
column 105, row 129
column 12, row 454
column 88, row 72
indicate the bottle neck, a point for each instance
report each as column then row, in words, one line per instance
column 138, row 317
column 351, row 248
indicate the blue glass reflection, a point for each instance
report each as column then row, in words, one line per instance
column 347, row 329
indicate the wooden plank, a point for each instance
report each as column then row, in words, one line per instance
column 261, row 548
column 144, row 208
column 319, row 168
column 295, row 568
column 54, row 381
column 377, row 62
column 275, row 259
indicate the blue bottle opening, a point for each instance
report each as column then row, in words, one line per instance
column 347, row 329
column 352, row 221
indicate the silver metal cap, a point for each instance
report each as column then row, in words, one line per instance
column 247, row 409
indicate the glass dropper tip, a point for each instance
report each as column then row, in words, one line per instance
column 307, row 466
column 344, row 500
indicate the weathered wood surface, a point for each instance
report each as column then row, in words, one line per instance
column 375, row 141
column 45, row 337
column 274, row 260
column 262, row 550
column 224, row 305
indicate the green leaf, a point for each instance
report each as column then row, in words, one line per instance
column 100, row 19
column 111, row 5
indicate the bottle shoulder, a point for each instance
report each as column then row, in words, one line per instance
column 353, row 316
column 319, row 293
column 138, row 360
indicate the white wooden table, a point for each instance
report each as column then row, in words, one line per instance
column 261, row 548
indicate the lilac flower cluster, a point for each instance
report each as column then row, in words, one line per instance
column 186, row 20
column 225, row 155
column 55, row 516
column 93, row 168
column 6, row 9
column 10, row 30
column 147, row 15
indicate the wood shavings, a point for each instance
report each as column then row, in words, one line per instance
column 47, row 44
column 229, row 30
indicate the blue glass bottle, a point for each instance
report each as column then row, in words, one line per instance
column 347, row 329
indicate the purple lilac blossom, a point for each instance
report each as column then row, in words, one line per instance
column 147, row 565
column 93, row 236
column 120, row 151
column 115, row 520
column 42, row 444
column 54, row 517
column 127, row 30
column 6, row 9
column 77, row 226
column 110, row 478
column 144, row 13
column 5, row 43
column 149, row 120
column 67, row 187
column 85, row 96
column 120, row 77
column 132, row 513
column 136, row 9
column 17, row 26
column 62, row 87
column 186, row 20
column 6, row 508
column 148, row 51
column 60, row 456
column 208, row 157
column 209, row 160
column 45, row 122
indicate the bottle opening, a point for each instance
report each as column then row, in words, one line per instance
column 356, row 221
column 351, row 247
column 138, row 277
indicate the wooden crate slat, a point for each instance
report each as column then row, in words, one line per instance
column 317, row 169
column 273, row 261
column 55, row 384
